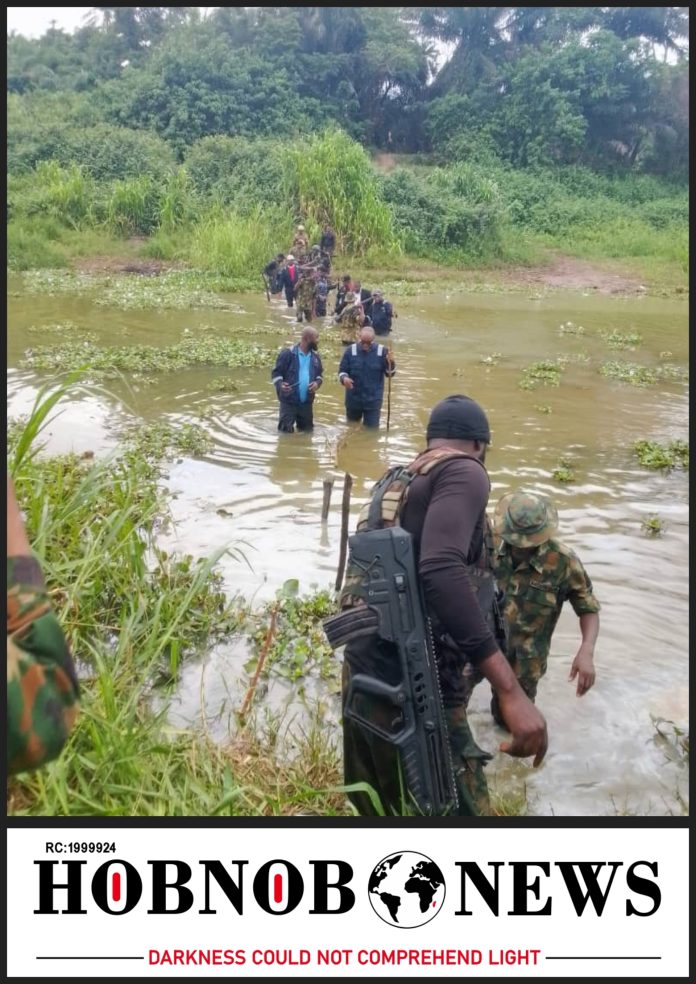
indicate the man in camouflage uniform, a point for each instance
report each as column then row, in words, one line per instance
column 351, row 320
column 300, row 243
column 304, row 295
column 538, row 573
column 42, row 689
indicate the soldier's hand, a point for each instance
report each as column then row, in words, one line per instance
column 527, row 726
column 583, row 669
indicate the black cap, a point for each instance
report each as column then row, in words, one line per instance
column 459, row 417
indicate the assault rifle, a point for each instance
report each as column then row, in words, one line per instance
column 395, row 613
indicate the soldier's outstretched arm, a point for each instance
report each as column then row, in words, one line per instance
column 583, row 665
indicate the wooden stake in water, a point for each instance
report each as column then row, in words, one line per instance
column 345, row 515
column 328, row 488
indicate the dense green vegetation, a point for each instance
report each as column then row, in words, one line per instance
column 133, row 614
column 545, row 126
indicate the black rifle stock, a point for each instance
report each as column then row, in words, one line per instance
column 395, row 613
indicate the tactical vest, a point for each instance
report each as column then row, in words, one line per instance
column 384, row 509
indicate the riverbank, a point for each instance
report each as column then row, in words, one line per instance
column 398, row 276
column 420, row 226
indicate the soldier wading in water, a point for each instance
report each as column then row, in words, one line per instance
column 445, row 513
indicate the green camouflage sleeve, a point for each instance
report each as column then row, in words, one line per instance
column 578, row 588
column 42, row 688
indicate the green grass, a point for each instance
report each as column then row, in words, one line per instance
column 133, row 614
column 239, row 246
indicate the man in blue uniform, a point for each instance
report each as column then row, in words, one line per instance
column 363, row 368
column 381, row 313
column 297, row 375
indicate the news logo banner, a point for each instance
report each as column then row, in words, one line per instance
column 341, row 902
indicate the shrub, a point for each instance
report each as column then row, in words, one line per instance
column 236, row 171
column 458, row 207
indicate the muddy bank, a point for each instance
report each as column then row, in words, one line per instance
column 558, row 272
column 571, row 273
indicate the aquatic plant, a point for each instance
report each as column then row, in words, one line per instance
column 112, row 360
column 653, row 525
column 658, row 456
column 564, row 472
column 544, row 373
column 637, row 375
column 622, row 339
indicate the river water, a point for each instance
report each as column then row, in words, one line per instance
column 263, row 491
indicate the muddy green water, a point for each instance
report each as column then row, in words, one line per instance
column 264, row 490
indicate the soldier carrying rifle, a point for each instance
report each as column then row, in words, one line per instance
column 443, row 510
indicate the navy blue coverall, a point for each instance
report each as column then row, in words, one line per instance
column 367, row 369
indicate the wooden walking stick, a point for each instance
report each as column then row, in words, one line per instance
column 265, row 286
column 389, row 379
column 345, row 513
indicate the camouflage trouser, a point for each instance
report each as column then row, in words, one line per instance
column 42, row 689
column 369, row 759
column 350, row 329
column 529, row 668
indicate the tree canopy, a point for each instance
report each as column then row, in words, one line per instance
column 601, row 86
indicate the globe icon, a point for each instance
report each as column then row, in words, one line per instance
column 406, row 889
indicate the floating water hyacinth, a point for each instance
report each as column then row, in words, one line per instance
column 110, row 361
column 544, row 373
column 637, row 375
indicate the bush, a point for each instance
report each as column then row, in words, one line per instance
column 30, row 245
column 236, row 171
column 105, row 152
column 447, row 208
column 65, row 194
column 134, row 206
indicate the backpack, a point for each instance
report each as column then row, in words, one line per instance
column 384, row 510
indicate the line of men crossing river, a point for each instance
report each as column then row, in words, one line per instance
column 303, row 275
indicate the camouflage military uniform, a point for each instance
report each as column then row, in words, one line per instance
column 300, row 243
column 42, row 689
column 534, row 594
column 304, row 295
column 351, row 321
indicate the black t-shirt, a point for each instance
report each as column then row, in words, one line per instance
column 445, row 513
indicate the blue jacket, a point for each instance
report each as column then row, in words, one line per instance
column 381, row 317
column 287, row 370
column 367, row 370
